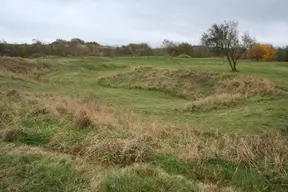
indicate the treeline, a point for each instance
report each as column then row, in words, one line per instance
column 74, row 47
column 78, row 47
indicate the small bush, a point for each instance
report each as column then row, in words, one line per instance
column 184, row 56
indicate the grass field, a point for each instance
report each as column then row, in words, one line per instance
column 142, row 124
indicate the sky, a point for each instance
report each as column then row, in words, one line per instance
column 118, row 22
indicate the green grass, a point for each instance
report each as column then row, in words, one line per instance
column 145, row 178
column 25, row 173
column 213, row 171
column 131, row 117
column 160, row 105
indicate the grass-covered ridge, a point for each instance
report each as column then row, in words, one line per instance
column 206, row 90
column 26, row 69
column 66, row 132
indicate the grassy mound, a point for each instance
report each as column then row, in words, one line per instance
column 181, row 82
column 23, row 68
column 207, row 90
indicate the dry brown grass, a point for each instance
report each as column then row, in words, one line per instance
column 263, row 152
column 22, row 68
column 9, row 101
column 82, row 120
column 102, row 117
column 271, row 148
column 185, row 140
column 229, row 92
column 266, row 151
column 117, row 151
column 215, row 101
column 246, row 85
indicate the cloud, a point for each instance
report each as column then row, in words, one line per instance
column 118, row 22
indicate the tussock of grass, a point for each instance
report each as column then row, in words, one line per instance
column 23, row 68
column 246, row 85
column 144, row 177
column 119, row 151
column 265, row 152
column 84, row 113
column 215, row 102
column 82, row 120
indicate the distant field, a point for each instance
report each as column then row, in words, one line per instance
column 142, row 124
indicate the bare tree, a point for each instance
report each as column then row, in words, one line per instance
column 224, row 38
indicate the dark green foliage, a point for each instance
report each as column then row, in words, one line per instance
column 175, row 49
column 186, row 49
column 282, row 54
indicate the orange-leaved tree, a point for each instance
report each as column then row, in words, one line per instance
column 256, row 52
column 270, row 53
column 262, row 52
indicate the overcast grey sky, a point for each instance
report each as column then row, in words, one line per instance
column 118, row 22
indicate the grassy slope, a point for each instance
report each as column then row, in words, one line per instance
column 44, row 135
column 162, row 106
